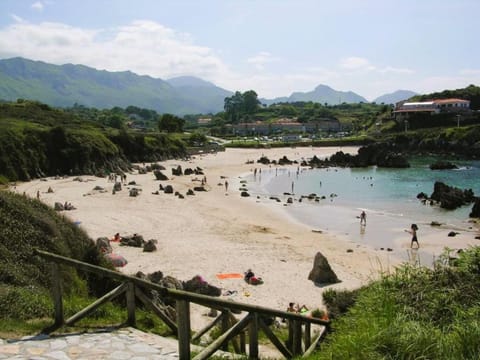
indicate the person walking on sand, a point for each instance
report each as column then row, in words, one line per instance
column 226, row 185
column 413, row 231
column 363, row 218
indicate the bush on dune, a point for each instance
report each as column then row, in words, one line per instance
column 415, row 313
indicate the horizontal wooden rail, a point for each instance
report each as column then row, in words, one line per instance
column 204, row 300
column 231, row 329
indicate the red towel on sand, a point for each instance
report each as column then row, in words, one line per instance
column 230, row 276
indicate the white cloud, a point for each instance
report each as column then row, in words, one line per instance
column 390, row 69
column 261, row 59
column 144, row 47
column 17, row 18
column 38, row 5
column 356, row 63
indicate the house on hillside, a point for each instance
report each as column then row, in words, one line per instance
column 404, row 109
column 283, row 125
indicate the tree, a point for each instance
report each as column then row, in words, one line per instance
column 250, row 102
column 171, row 123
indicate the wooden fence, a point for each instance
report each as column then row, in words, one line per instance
column 232, row 330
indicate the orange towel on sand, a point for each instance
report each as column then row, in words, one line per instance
column 230, row 276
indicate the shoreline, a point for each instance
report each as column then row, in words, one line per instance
column 218, row 231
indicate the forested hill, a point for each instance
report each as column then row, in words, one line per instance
column 471, row 93
column 69, row 84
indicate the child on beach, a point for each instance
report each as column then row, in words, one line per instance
column 413, row 231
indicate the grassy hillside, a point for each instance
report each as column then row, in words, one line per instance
column 25, row 280
column 415, row 313
column 37, row 140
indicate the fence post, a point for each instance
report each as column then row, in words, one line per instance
column 253, row 337
column 225, row 326
column 57, row 294
column 131, row 303
column 297, row 338
column 183, row 323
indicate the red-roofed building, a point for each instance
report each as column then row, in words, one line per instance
column 432, row 107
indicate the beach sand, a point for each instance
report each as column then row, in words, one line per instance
column 219, row 231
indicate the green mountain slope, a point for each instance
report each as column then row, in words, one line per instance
column 68, row 84
column 321, row 94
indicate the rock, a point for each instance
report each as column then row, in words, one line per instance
column 451, row 197
column 103, row 245
column 134, row 192
column 131, row 183
column 244, row 194
column 321, row 272
column 349, row 250
column 435, row 223
column 159, row 175
column 198, row 285
column 475, row 213
column 150, row 246
column 135, row 240
column 171, row 283
column 188, row 171
column 290, row 200
column 117, row 186
column 199, row 188
column 284, row 161
column 452, row 234
column 155, row 277
column 263, row 160
column 443, row 165
column 190, row 192
column 168, row 189
column 58, row 206
column 177, row 171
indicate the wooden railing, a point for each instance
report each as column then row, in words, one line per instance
column 232, row 330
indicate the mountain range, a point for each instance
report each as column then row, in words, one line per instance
column 66, row 85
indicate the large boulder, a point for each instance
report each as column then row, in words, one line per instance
column 150, row 246
column 159, row 175
column 168, row 189
column 177, row 171
column 103, row 245
column 476, row 209
column 321, row 272
column 198, row 285
column 135, row 240
column 451, row 197
column 58, row 206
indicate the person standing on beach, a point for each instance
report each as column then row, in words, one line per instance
column 413, row 231
column 363, row 218
column 226, row 185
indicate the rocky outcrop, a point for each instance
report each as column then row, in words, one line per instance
column 450, row 197
column 168, row 189
column 198, row 285
column 443, row 165
column 322, row 273
column 135, row 240
column 475, row 213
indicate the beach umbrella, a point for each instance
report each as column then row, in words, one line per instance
column 116, row 260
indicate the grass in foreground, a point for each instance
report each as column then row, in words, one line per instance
column 415, row 313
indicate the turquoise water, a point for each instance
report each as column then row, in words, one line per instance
column 387, row 195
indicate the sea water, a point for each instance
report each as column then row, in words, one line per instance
column 388, row 196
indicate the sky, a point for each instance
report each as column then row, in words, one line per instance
column 274, row 47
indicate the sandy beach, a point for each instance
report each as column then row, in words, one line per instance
column 218, row 231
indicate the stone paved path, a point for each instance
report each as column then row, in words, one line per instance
column 125, row 343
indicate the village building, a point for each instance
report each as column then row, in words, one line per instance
column 404, row 109
column 285, row 125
